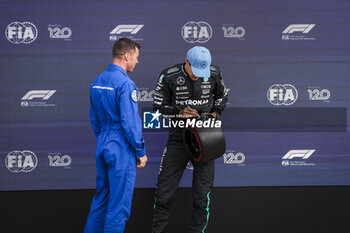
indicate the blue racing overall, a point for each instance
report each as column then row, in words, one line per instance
column 117, row 127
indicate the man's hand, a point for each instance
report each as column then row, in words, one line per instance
column 213, row 114
column 141, row 161
column 188, row 113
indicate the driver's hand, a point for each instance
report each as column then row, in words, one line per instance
column 188, row 113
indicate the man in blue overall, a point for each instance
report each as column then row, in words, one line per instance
column 119, row 147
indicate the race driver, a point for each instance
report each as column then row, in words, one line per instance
column 191, row 89
column 120, row 146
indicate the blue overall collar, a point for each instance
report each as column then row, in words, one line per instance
column 113, row 67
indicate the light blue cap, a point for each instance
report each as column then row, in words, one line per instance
column 200, row 60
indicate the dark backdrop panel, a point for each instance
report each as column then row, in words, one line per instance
column 54, row 129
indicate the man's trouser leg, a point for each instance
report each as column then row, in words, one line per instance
column 96, row 218
column 121, row 176
column 115, row 180
column 202, row 184
column 173, row 163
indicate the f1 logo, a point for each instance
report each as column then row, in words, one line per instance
column 304, row 28
column 304, row 154
column 44, row 94
column 133, row 28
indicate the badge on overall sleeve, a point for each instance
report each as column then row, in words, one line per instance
column 134, row 96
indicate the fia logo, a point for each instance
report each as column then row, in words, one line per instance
column 196, row 32
column 21, row 161
column 151, row 120
column 279, row 94
column 18, row 32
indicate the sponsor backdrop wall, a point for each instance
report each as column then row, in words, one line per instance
column 286, row 63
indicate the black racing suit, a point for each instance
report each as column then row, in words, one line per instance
column 175, row 91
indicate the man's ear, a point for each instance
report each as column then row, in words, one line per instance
column 127, row 56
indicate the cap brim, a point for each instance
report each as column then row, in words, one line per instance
column 201, row 73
